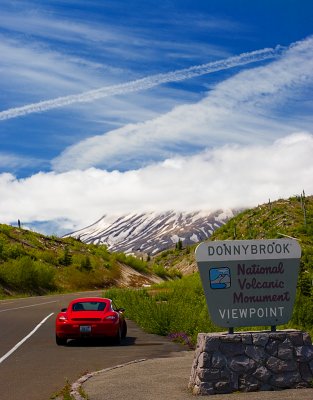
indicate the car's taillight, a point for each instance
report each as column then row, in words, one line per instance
column 63, row 318
column 111, row 317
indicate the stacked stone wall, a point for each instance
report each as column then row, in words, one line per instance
column 251, row 361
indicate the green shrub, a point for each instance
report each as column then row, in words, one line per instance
column 13, row 251
column 134, row 262
column 302, row 316
column 160, row 271
column 85, row 264
column 27, row 276
column 74, row 278
column 48, row 257
column 165, row 273
column 181, row 309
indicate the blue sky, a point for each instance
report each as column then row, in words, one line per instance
column 232, row 137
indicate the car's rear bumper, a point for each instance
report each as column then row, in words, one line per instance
column 73, row 330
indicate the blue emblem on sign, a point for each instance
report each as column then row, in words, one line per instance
column 220, row 278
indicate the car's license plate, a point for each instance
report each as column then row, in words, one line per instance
column 85, row 329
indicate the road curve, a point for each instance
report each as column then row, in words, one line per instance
column 33, row 367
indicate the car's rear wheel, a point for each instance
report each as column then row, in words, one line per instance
column 118, row 337
column 124, row 330
column 60, row 341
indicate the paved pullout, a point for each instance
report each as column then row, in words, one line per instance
column 166, row 379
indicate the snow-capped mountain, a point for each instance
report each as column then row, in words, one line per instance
column 152, row 232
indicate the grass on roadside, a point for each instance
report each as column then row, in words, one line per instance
column 65, row 393
column 178, row 309
column 175, row 308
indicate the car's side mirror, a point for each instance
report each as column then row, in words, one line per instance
column 63, row 309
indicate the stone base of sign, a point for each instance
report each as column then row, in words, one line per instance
column 251, row 361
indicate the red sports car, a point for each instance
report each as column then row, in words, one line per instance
column 94, row 317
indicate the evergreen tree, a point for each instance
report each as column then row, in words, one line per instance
column 86, row 264
column 179, row 244
column 66, row 260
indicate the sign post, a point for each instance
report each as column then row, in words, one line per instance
column 249, row 282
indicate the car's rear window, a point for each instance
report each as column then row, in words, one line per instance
column 89, row 306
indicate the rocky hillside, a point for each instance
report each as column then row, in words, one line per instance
column 31, row 263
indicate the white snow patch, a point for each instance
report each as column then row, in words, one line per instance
column 194, row 238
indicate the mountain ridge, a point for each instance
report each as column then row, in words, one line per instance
column 152, row 232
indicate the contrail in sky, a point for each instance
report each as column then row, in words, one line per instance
column 144, row 83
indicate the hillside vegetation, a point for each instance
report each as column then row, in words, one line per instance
column 31, row 263
column 283, row 218
column 178, row 308
column 291, row 217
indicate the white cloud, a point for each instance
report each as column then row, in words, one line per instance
column 12, row 161
column 51, row 48
column 131, row 41
column 243, row 109
column 225, row 177
column 33, row 66
column 44, row 24
column 141, row 84
column 34, row 71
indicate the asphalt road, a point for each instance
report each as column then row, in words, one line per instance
column 33, row 367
